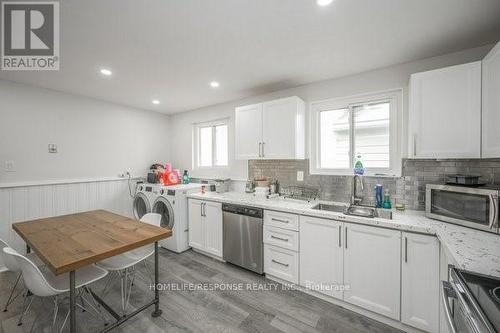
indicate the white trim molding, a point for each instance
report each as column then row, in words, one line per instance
column 394, row 97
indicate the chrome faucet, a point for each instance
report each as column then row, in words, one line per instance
column 355, row 199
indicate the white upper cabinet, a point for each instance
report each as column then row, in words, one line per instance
column 372, row 268
column 271, row 130
column 420, row 282
column 491, row 104
column 248, row 133
column 283, row 129
column 445, row 112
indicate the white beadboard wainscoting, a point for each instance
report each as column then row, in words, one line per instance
column 27, row 202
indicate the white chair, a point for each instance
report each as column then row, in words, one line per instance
column 12, row 266
column 46, row 284
column 123, row 265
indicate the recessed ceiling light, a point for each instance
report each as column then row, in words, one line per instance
column 323, row 3
column 214, row 84
column 155, row 101
column 105, row 71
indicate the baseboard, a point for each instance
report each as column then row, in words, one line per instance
column 208, row 255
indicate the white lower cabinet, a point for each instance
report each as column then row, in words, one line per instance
column 420, row 282
column 372, row 266
column 281, row 246
column 281, row 263
column 321, row 256
column 205, row 226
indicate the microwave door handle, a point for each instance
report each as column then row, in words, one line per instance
column 447, row 292
column 493, row 211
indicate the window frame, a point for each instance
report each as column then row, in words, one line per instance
column 197, row 144
column 394, row 97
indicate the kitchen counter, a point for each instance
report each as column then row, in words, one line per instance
column 470, row 249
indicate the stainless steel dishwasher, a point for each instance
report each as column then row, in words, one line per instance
column 243, row 237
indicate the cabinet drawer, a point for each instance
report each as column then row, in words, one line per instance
column 283, row 238
column 281, row 263
column 281, row 220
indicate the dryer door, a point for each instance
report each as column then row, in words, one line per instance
column 141, row 205
column 163, row 207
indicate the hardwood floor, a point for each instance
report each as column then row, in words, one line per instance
column 215, row 308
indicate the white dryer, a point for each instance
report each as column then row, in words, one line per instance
column 172, row 205
column 145, row 196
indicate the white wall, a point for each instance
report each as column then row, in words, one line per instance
column 378, row 80
column 95, row 139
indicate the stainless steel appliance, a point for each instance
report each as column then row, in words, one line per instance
column 474, row 207
column 243, row 244
column 471, row 302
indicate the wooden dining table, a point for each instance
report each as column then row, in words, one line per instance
column 70, row 242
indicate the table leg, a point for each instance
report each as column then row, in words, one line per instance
column 72, row 302
column 157, row 311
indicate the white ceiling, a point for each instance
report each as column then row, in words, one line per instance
column 171, row 49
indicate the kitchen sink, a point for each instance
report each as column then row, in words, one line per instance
column 355, row 210
column 329, row 207
column 362, row 211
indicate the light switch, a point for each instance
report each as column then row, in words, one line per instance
column 300, row 176
column 10, row 166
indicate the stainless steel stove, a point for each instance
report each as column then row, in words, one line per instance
column 472, row 302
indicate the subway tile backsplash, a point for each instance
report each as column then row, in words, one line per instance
column 408, row 189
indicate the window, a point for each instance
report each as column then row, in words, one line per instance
column 364, row 125
column 210, row 148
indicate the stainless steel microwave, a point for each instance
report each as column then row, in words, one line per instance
column 473, row 207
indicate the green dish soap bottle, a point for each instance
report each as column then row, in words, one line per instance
column 387, row 200
column 359, row 169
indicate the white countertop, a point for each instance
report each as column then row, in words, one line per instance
column 472, row 250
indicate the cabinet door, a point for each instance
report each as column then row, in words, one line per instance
column 195, row 224
column 321, row 255
column 491, row 104
column 248, row 132
column 212, row 228
column 445, row 112
column 372, row 269
column 283, row 129
column 420, row 282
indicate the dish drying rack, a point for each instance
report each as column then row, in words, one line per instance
column 299, row 193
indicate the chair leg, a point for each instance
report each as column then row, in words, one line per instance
column 56, row 310
column 11, row 299
column 26, row 309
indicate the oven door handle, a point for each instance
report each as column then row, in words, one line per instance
column 493, row 211
column 448, row 292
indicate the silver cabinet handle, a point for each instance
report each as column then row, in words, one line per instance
column 493, row 210
column 278, row 220
column 260, row 149
column 414, row 145
column 201, row 209
column 279, row 263
column 406, row 249
column 263, row 153
column 447, row 292
column 279, row 238
column 340, row 236
column 346, row 237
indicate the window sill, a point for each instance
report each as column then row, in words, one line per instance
column 351, row 173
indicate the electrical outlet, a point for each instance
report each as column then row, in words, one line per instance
column 300, row 176
column 52, row 148
column 10, row 166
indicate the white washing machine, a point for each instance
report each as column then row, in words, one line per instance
column 172, row 205
column 145, row 196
